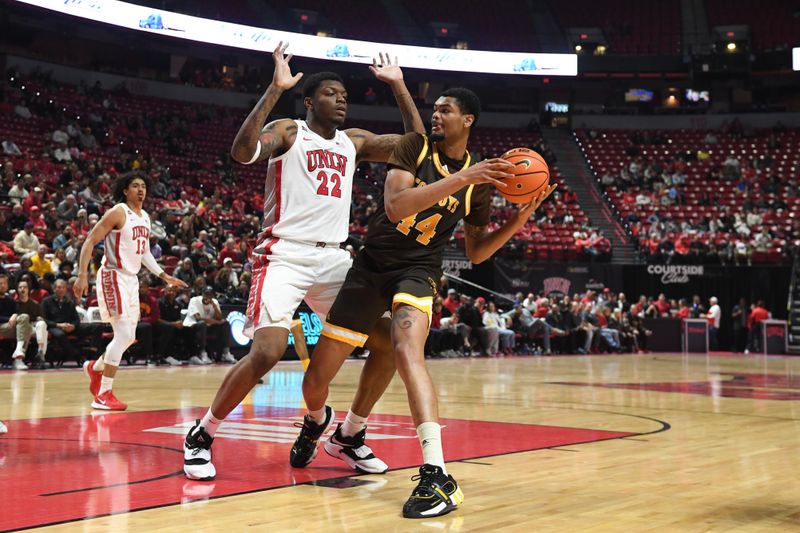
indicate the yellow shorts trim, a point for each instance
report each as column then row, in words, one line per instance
column 347, row 336
column 423, row 304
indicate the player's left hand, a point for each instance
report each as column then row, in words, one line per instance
column 527, row 210
column 385, row 70
column 175, row 282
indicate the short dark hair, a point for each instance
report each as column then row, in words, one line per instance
column 122, row 183
column 468, row 102
column 315, row 80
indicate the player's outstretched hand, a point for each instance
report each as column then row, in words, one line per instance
column 492, row 171
column 525, row 211
column 80, row 286
column 282, row 77
column 385, row 70
column 175, row 282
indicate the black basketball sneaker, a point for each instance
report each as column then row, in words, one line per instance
column 197, row 454
column 354, row 452
column 304, row 448
column 435, row 495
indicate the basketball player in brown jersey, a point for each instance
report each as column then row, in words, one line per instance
column 431, row 186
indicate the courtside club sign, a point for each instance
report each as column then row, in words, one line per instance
column 675, row 273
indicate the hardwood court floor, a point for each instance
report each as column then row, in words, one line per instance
column 604, row 443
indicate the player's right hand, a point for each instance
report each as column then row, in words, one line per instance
column 488, row 171
column 282, row 77
column 80, row 286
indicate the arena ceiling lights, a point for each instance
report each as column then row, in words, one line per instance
column 151, row 20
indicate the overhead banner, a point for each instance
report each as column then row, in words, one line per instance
column 147, row 19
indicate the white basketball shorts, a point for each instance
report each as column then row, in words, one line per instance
column 117, row 295
column 290, row 273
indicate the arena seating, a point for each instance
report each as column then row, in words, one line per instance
column 142, row 125
column 775, row 27
column 484, row 25
column 351, row 19
column 763, row 185
column 631, row 26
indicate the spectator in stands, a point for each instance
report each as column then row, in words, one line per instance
column 452, row 302
column 714, row 316
column 64, row 239
column 697, row 310
column 662, row 305
column 25, row 242
column 522, row 321
column 205, row 309
column 21, row 110
column 26, row 306
column 17, row 220
column 683, row 309
column 506, row 337
column 87, row 140
column 18, row 192
column 40, row 263
column 62, row 319
column 229, row 251
column 67, row 209
column 11, row 148
column 14, row 325
column 60, row 135
column 758, row 314
column 226, row 279
column 469, row 315
column 170, row 326
column 33, row 200
column 185, row 272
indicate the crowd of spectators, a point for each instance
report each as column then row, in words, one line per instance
column 691, row 206
column 64, row 146
column 592, row 322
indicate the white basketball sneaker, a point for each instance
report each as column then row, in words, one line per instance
column 197, row 454
column 354, row 452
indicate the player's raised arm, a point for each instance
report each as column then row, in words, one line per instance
column 480, row 244
column 389, row 72
column 378, row 148
column 255, row 142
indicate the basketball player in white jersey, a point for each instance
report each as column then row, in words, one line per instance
column 306, row 217
column 126, row 231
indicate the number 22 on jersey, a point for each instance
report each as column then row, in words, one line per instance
column 425, row 227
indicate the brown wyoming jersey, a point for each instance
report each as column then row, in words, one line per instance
column 420, row 239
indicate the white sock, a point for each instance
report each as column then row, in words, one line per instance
column 353, row 424
column 317, row 416
column 430, row 438
column 19, row 351
column 210, row 423
column 98, row 364
column 105, row 384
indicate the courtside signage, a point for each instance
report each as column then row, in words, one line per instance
column 796, row 58
column 151, row 20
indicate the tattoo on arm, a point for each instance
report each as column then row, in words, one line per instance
column 379, row 148
column 403, row 319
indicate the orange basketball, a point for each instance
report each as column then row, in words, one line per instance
column 531, row 176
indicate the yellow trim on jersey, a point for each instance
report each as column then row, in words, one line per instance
column 345, row 335
column 423, row 152
column 468, row 199
column 439, row 166
column 423, row 304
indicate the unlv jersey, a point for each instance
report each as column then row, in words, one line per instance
column 124, row 247
column 308, row 190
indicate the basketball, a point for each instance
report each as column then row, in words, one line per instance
column 531, row 175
